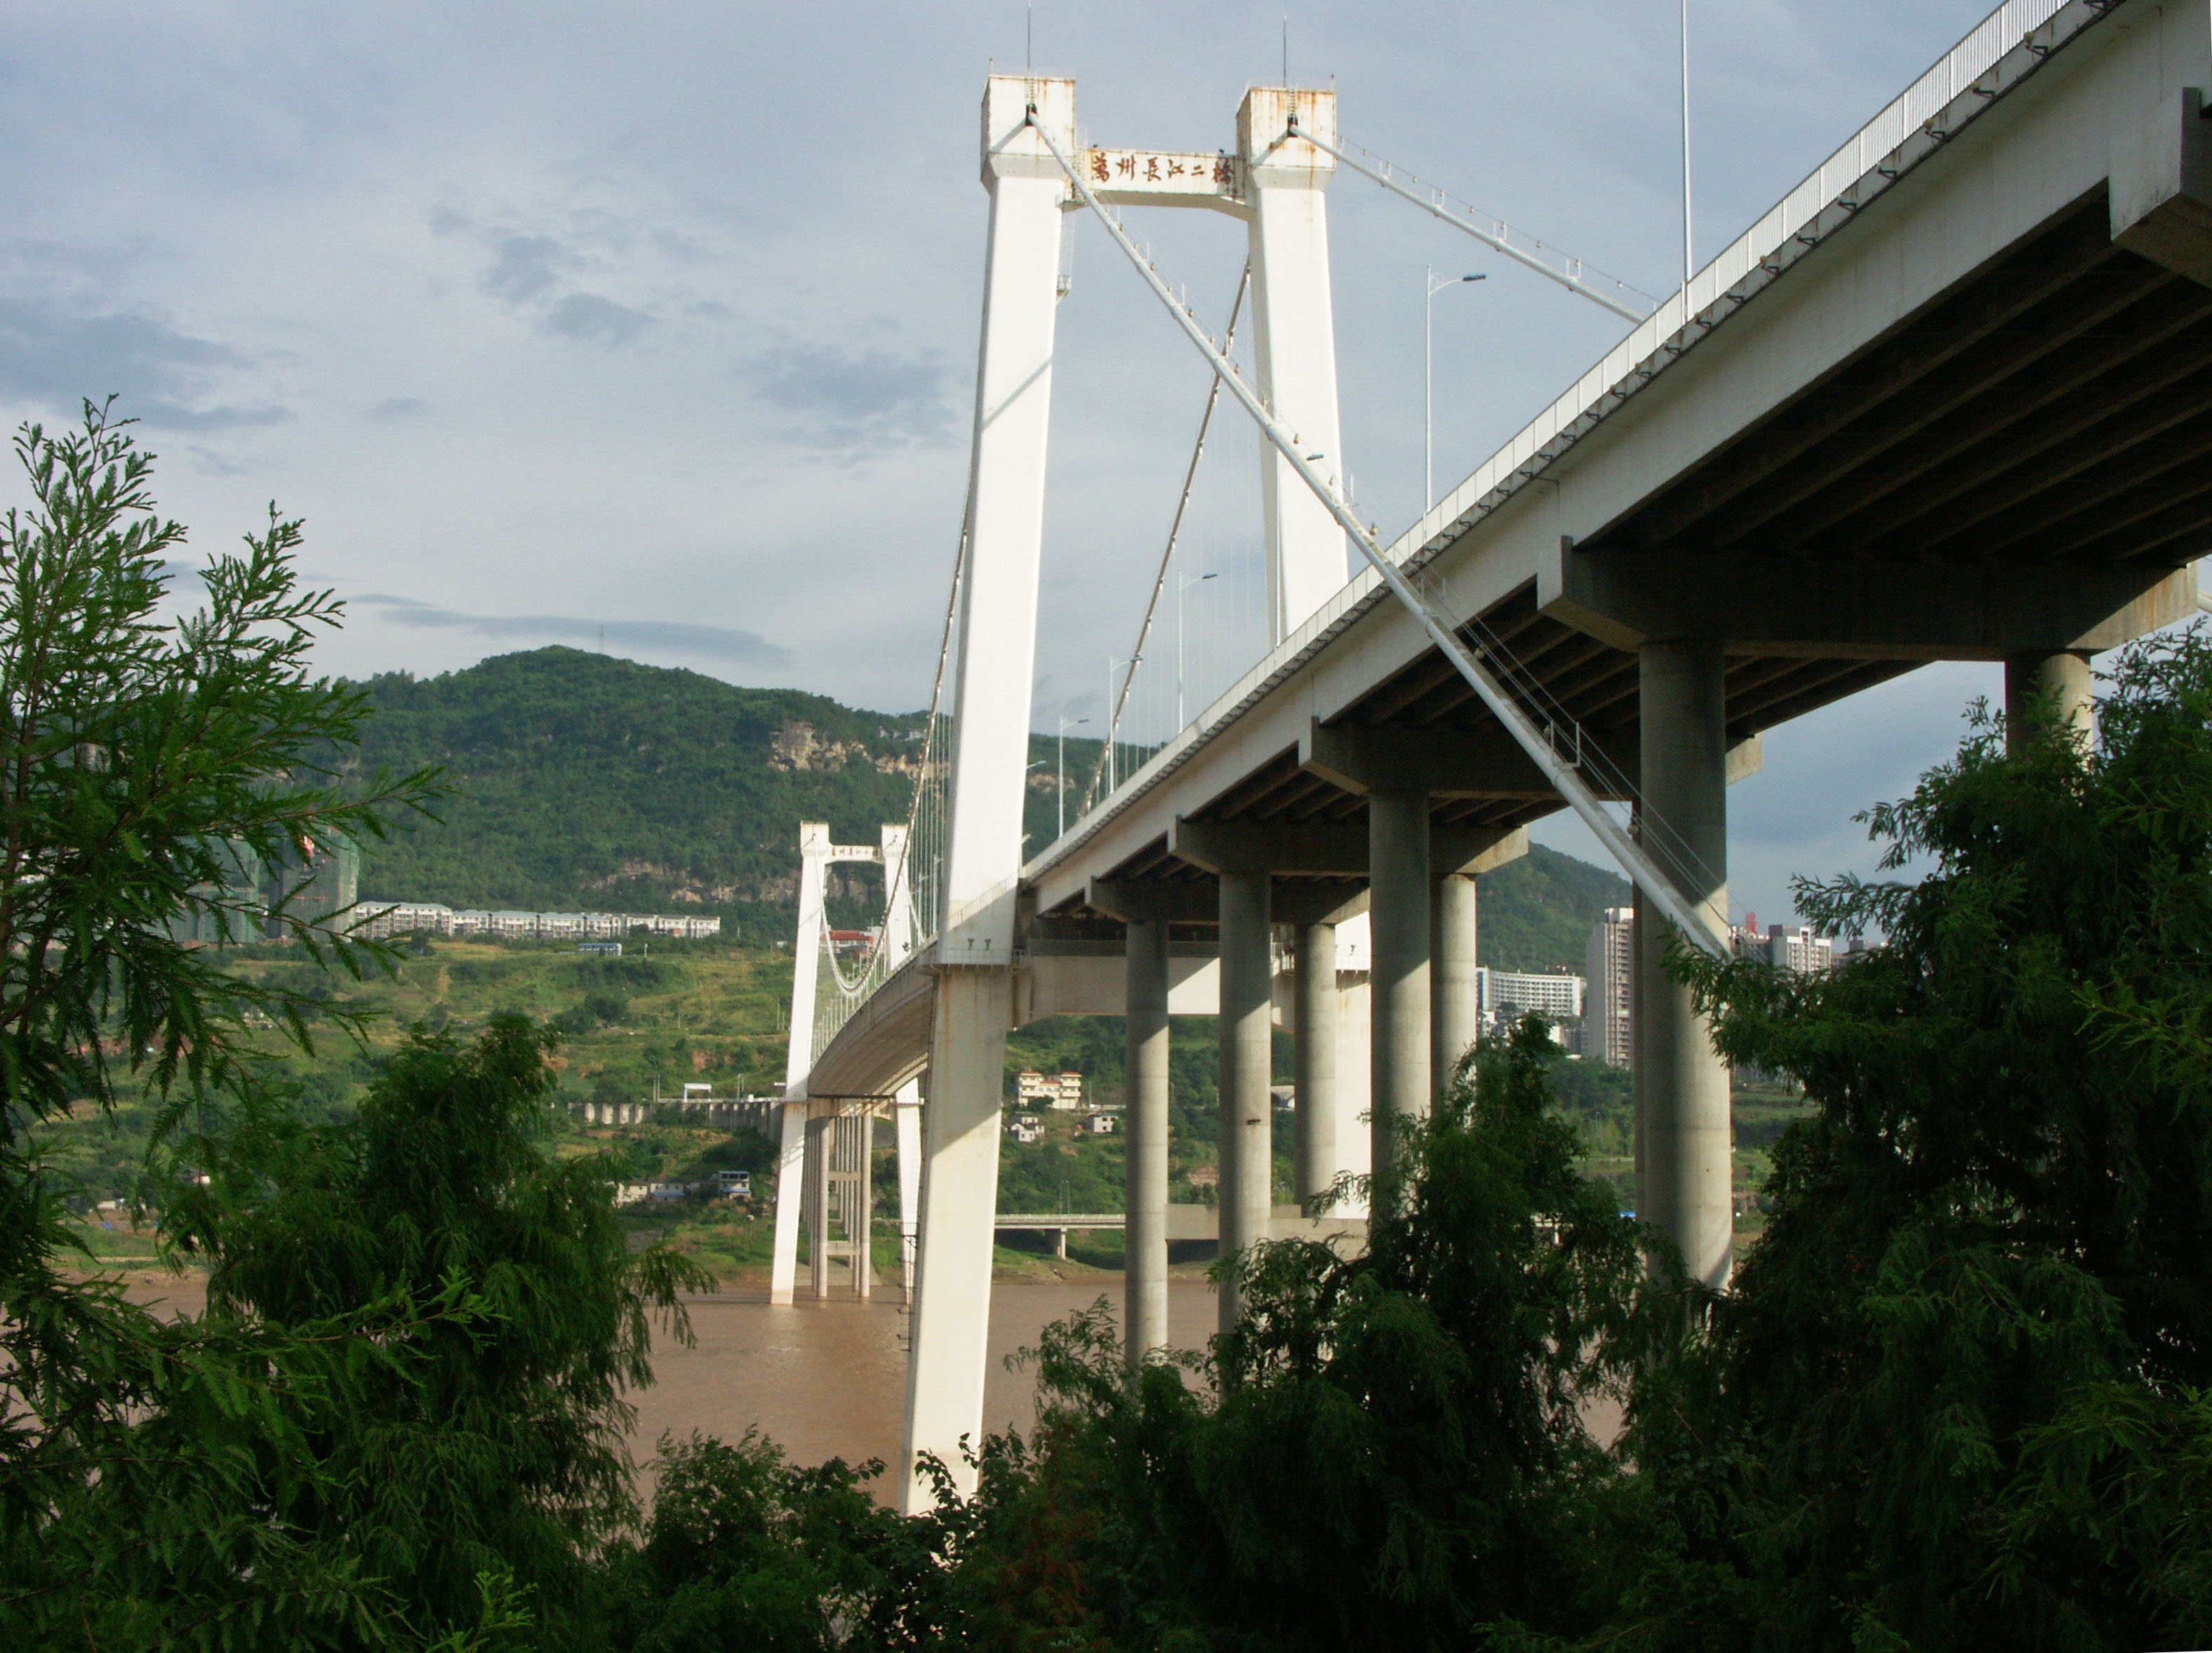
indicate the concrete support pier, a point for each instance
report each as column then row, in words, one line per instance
column 1313, row 1070
column 2063, row 677
column 1247, row 1108
column 1685, row 1185
column 1145, row 1302
column 1398, row 895
column 1455, row 1000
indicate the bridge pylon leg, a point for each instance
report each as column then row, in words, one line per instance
column 790, row 1183
column 959, row 1208
column 1294, row 340
column 1685, row 1186
column 997, row 657
column 1247, row 1105
column 1398, row 894
column 1145, row 1302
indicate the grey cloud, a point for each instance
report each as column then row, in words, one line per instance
column 716, row 642
column 526, row 276
column 51, row 354
column 399, row 407
column 846, row 401
column 602, row 321
column 522, row 267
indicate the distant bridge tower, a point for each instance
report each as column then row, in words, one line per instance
column 825, row 1142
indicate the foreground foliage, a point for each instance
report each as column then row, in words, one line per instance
column 1963, row 1379
column 399, row 1425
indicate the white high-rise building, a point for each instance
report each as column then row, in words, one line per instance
column 1792, row 948
column 1609, row 965
column 1553, row 993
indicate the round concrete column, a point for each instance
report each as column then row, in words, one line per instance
column 1455, row 996
column 1686, row 1135
column 1145, row 1302
column 1246, row 1137
column 1314, row 1071
column 2064, row 679
column 1398, row 917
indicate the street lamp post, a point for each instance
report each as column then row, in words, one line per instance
column 1429, row 382
column 1065, row 724
column 1183, row 583
column 1111, row 664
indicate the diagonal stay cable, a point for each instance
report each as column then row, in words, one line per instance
column 1570, row 277
column 1167, row 557
column 1641, row 869
column 1659, row 838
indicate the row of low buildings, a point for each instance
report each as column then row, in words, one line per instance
column 1610, row 961
column 434, row 918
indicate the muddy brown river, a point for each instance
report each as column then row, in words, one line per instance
column 822, row 1379
column 828, row 1379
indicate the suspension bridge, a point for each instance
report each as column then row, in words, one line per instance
column 1947, row 400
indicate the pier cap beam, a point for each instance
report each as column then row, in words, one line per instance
column 1189, row 902
column 1485, row 762
column 1828, row 609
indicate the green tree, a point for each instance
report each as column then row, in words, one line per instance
column 1392, row 1452
column 145, row 764
column 498, row 1450
column 1961, row 1381
column 173, row 1482
column 747, row 1553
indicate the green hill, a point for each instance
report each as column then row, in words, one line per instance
column 1537, row 912
column 581, row 780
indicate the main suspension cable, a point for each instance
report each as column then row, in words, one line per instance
column 1498, row 240
column 1642, row 872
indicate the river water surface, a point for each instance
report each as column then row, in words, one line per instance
column 822, row 1379
column 828, row 1379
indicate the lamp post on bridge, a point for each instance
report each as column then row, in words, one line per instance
column 1065, row 724
column 1429, row 381
column 1111, row 724
column 1183, row 583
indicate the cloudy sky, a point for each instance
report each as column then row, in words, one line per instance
column 653, row 325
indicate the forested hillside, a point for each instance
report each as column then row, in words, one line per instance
column 1538, row 911
column 582, row 780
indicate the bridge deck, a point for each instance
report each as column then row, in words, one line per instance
column 1962, row 422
